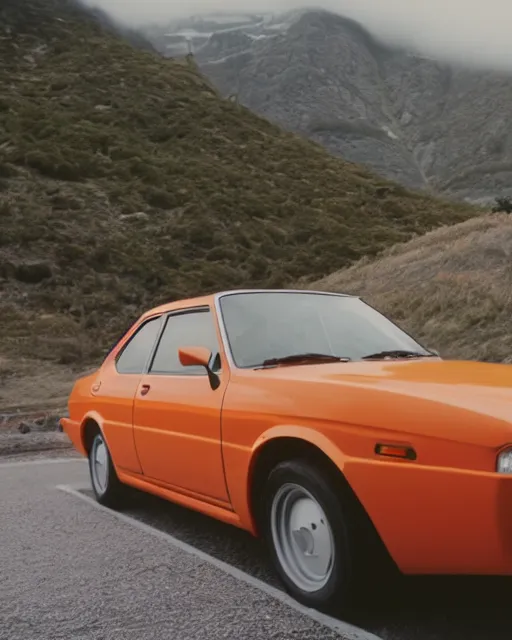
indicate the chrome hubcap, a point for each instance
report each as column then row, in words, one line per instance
column 302, row 537
column 99, row 466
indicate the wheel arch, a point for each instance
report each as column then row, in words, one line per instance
column 286, row 444
column 89, row 426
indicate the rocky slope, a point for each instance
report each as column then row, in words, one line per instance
column 125, row 180
column 416, row 120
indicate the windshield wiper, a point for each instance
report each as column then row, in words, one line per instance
column 398, row 353
column 307, row 358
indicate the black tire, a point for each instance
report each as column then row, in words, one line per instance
column 113, row 493
column 341, row 590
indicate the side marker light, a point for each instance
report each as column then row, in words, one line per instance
column 395, row 451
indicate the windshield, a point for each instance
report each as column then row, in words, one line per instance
column 266, row 325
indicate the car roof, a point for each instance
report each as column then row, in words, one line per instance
column 209, row 300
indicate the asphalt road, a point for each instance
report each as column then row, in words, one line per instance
column 73, row 570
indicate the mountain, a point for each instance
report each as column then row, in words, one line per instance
column 126, row 180
column 419, row 121
column 450, row 288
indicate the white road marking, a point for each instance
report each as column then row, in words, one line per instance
column 21, row 463
column 350, row 632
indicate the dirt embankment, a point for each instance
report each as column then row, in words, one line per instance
column 451, row 288
column 33, row 398
column 23, row 433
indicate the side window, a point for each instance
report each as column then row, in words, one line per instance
column 135, row 354
column 191, row 329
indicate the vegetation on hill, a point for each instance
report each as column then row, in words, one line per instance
column 452, row 288
column 125, row 180
column 503, row 204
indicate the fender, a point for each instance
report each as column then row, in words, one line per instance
column 241, row 499
column 340, row 459
column 299, row 433
column 95, row 417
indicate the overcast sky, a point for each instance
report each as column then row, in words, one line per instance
column 478, row 30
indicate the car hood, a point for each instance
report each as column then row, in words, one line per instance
column 429, row 394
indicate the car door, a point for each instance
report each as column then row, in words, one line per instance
column 115, row 390
column 177, row 414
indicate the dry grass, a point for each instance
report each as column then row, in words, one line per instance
column 451, row 287
column 27, row 385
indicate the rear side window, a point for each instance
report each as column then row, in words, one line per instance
column 135, row 354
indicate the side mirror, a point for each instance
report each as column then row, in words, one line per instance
column 194, row 356
column 199, row 357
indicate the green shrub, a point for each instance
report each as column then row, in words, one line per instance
column 503, row 204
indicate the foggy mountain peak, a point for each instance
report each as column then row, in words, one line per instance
column 477, row 33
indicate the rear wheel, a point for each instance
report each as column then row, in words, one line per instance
column 310, row 529
column 107, row 488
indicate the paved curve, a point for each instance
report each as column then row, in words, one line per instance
column 71, row 569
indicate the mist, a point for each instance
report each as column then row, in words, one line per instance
column 469, row 31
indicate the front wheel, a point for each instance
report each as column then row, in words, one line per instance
column 309, row 531
column 107, row 488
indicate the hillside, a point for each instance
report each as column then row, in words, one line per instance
column 125, row 180
column 422, row 122
column 452, row 288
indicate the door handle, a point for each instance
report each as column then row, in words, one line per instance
column 144, row 390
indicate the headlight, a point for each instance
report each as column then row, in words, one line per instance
column 504, row 464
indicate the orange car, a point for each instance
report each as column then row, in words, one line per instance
column 309, row 419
